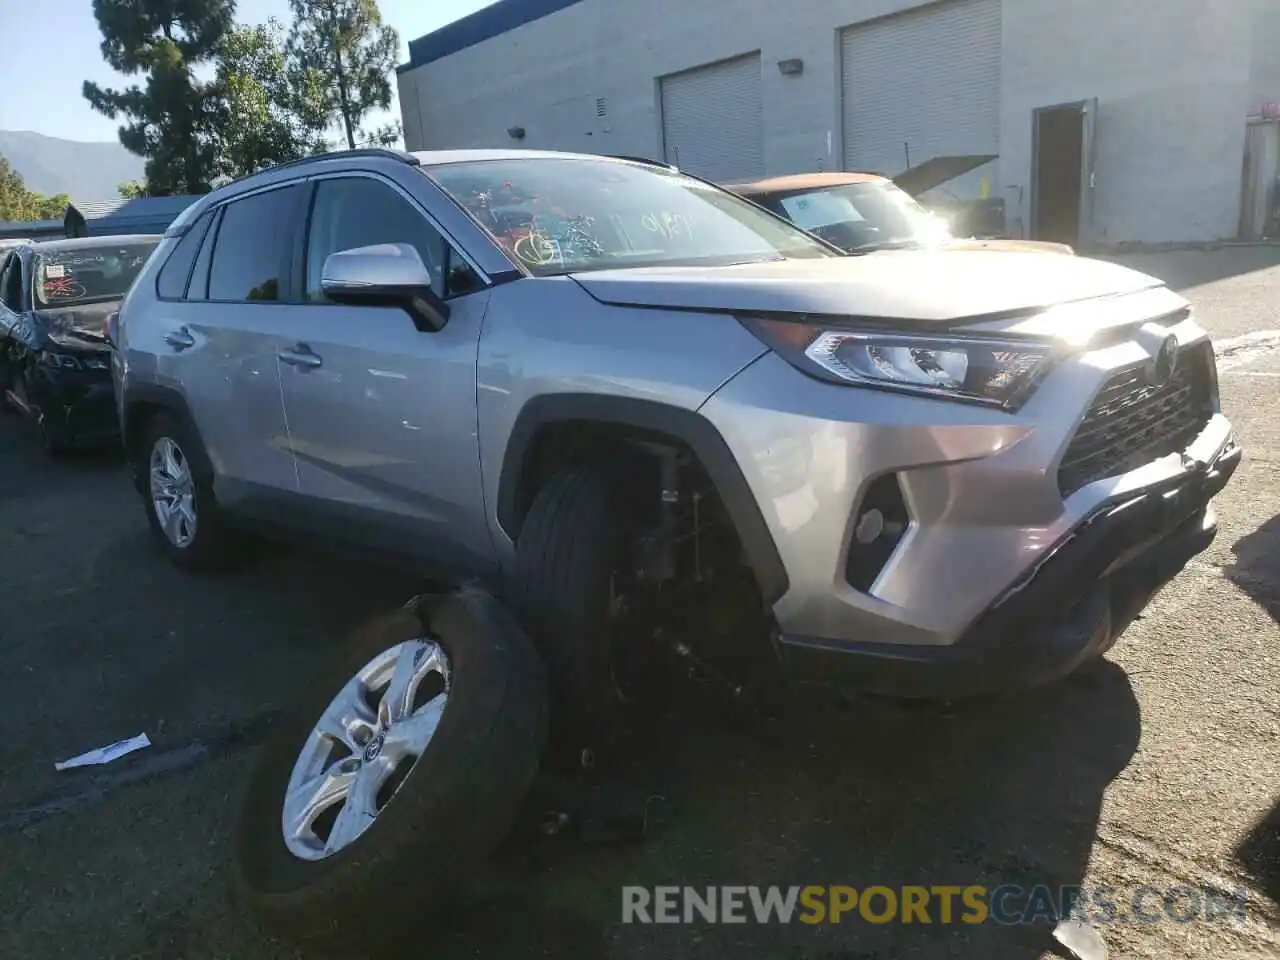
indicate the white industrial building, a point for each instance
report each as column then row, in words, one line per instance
column 1163, row 122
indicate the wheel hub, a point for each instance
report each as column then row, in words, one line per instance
column 374, row 749
column 358, row 754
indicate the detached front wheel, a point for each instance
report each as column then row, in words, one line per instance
column 396, row 778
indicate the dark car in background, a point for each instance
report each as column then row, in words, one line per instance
column 862, row 212
column 55, row 359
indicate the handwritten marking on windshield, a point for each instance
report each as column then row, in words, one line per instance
column 538, row 250
column 668, row 225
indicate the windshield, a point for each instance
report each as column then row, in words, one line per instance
column 67, row 278
column 562, row 215
column 862, row 216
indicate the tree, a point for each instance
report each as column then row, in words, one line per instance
column 132, row 189
column 262, row 119
column 341, row 57
column 18, row 204
column 172, row 116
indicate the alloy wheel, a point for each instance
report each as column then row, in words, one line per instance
column 363, row 747
column 173, row 492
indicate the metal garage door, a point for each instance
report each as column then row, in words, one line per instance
column 713, row 120
column 928, row 78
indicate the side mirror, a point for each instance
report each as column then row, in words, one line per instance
column 389, row 274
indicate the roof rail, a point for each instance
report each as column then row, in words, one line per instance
column 384, row 153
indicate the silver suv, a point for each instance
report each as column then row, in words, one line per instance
column 641, row 407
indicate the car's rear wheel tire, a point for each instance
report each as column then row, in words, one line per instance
column 431, row 828
column 191, row 531
column 562, row 588
column 7, row 405
column 53, row 441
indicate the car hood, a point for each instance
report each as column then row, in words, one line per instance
column 939, row 170
column 84, row 326
column 920, row 287
column 1017, row 246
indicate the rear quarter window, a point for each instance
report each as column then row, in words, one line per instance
column 171, row 282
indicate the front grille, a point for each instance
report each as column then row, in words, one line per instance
column 1133, row 422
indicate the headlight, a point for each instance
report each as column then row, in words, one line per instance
column 63, row 361
column 976, row 369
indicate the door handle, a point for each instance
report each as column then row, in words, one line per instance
column 300, row 356
column 180, row 339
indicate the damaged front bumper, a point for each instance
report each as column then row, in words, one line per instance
column 1070, row 607
column 76, row 406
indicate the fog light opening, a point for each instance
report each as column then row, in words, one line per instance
column 878, row 528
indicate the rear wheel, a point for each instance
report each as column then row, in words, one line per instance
column 7, row 404
column 395, row 778
column 179, row 500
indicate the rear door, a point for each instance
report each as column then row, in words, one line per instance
column 382, row 416
column 221, row 339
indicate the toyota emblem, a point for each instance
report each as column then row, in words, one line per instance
column 1165, row 364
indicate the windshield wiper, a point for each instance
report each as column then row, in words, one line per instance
column 875, row 245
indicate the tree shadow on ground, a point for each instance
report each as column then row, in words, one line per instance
column 861, row 793
column 1256, row 569
column 1259, row 853
column 1187, row 268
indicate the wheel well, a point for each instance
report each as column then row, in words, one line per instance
column 632, row 439
column 626, row 454
column 136, row 416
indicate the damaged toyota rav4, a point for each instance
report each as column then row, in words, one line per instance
column 651, row 417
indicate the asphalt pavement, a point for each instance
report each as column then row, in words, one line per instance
column 1159, row 767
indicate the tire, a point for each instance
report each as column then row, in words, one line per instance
column 211, row 545
column 452, row 810
column 566, row 554
column 6, row 381
column 54, row 443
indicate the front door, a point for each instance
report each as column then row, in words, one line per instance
column 382, row 416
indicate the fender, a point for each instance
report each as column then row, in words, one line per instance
column 689, row 428
column 173, row 402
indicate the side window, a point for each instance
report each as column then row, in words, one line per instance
column 11, row 283
column 352, row 212
column 171, row 281
column 5, row 264
column 252, row 251
column 198, row 288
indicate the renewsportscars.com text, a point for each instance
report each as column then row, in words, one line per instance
column 944, row 904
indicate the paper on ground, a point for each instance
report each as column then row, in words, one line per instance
column 105, row 754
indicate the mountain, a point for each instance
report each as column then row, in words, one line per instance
column 86, row 171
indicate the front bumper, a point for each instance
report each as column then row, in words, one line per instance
column 986, row 496
column 1071, row 607
column 77, row 407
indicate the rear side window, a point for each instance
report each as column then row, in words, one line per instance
column 11, row 283
column 171, row 282
column 198, row 288
column 252, row 251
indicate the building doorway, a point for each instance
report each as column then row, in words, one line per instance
column 1062, row 172
column 1260, row 201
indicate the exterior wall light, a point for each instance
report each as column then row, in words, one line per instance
column 791, row 68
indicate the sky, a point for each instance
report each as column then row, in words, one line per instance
column 48, row 57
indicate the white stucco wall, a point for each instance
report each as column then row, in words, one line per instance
column 1174, row 80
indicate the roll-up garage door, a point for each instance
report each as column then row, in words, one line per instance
column 713, row 120
column 926, row 83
